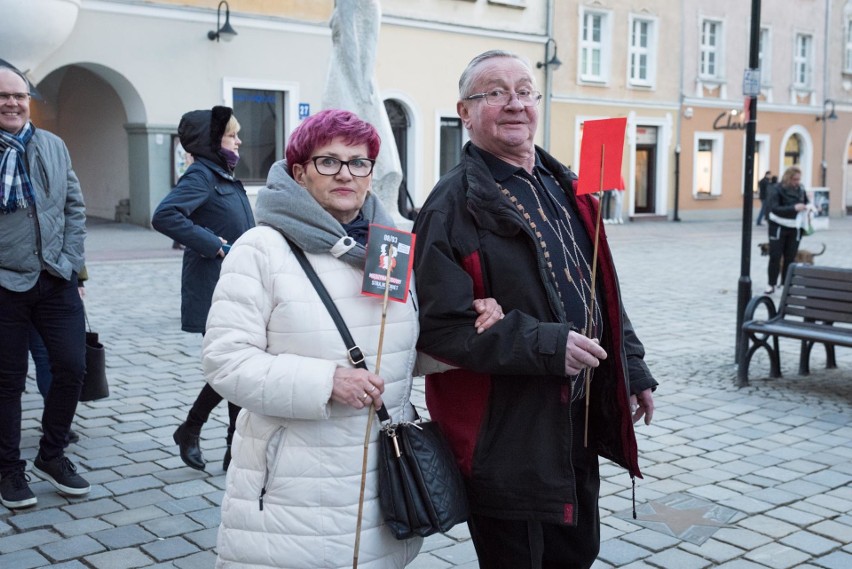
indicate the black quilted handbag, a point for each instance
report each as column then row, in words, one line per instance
column 421, row 490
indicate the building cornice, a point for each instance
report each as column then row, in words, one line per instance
column 597, row 101
column 461, row 29
column 193, row 14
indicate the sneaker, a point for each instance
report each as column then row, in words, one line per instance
column 62, row 473
column 73, row 437
column 769, row 290
column 15, row 490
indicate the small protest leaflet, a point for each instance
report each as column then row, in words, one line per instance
column 600, row 155
column 388, row 247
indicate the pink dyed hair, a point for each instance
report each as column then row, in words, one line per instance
column 323, row 127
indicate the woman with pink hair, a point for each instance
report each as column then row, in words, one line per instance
column 271, row 347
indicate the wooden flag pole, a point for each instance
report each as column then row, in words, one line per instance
column 591, row 319
column 372, row 412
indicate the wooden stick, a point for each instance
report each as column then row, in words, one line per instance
column 591, row 320
column 372, row 412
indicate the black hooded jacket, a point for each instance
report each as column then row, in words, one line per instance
column 207, row 203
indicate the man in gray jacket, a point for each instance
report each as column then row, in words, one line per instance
column 42, row 228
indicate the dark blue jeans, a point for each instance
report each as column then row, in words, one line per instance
column 54, row 307
column 42, row 362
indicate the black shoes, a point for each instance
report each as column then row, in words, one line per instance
column 190, row 450
column 226, row 462
column 62, row 473
column 73, row 437
column 15, row 491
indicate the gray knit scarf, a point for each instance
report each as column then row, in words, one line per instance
column 287, row 206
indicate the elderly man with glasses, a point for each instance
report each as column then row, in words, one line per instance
column 506, row 223
column 42, row 229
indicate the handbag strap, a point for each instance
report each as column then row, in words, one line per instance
column 356, row 356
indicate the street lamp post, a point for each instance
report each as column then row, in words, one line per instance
column 744, row 285
column 827, row 115
column 551, row 63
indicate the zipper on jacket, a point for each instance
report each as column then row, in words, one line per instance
column 267, row 473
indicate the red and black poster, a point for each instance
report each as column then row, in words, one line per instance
column 388, row 247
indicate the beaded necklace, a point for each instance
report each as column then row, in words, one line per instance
column 570, row 251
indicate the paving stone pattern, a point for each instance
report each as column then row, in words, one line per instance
column 779, row 452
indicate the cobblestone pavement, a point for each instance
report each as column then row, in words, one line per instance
column 779, row 452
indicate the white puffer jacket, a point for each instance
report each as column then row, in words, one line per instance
column 272, row 348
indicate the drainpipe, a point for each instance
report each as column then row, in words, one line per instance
column 548, row 76
column 679, row 116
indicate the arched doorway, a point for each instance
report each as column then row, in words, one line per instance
column 89, row 107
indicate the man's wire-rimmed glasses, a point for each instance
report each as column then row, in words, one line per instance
column 330, row 166
column 501, row 98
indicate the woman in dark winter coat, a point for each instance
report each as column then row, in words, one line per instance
column 206, row 212
column 784, row 202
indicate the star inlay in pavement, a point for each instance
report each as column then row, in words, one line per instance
column 682, row 516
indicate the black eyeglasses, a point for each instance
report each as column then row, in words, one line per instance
column 330, row 166
column 501, row 98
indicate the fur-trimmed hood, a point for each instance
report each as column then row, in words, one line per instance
column 201, row 132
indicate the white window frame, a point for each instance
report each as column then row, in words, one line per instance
column 803, row 62
column 650, row 52
column 761, row 141
column 291, row 105
column 439, row 116
column 705, row 50
column 718, row 158
column 764, row 56
column 587, row 46
column 847, row 60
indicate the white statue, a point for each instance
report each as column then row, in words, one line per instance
column 351, row 86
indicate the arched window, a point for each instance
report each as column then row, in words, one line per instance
column 793, row 151
column 399, row 124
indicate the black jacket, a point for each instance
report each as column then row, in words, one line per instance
column 504, row 412
column 206, row 204
column 782, row 200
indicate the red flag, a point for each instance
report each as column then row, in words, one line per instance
column 603, row 143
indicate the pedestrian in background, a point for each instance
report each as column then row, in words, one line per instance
column 783, row 203
column 205, row 212
column 505, row 223
column 41, row 212
column 762, row 189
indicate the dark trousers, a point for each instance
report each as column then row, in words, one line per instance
column 38, row 351
column 204, row 405
column 783, row 243
column 54, row 308
column 530, row 544
column 762, row 211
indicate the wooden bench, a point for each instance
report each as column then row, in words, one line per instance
column 815, row 307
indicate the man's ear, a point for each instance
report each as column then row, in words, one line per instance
column 464, row 114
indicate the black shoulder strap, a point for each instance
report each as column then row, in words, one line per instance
column 356, row 356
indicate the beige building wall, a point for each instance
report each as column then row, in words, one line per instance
column 302, row 10
column 425, row 81
column 649, row 103
column 712, row 113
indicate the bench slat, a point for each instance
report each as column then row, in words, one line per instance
column 797, row 289
column 820, row 310
column 802, row 331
